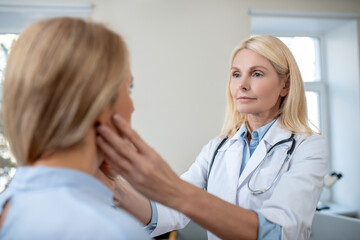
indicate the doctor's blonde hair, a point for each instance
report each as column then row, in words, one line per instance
column 61, row 74
column 292, row 113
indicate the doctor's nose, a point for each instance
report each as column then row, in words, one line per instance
column 244, row 83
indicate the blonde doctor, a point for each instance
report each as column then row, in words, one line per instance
column 262, row 177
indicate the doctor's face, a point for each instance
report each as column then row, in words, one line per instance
column 255, row 85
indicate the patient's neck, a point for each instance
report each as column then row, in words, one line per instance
column 83, row 157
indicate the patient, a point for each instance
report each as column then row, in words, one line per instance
column 64, row 76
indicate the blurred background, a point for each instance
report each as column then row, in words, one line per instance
column 180, row 54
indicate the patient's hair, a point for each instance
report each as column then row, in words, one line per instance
column 61, row 74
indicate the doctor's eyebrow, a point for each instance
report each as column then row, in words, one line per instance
column 251, row 68
column 255, row 67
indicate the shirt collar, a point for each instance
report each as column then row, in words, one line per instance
column 240, row 135
column 258, row 134
column 43, row 177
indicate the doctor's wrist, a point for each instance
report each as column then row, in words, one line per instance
column 184, row 202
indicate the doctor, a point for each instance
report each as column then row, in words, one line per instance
column 263, row 176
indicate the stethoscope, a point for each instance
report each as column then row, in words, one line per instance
column 265, row 189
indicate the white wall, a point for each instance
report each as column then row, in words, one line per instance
column 342, row 47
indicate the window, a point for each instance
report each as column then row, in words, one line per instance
column 307, row 52
column 6, row 41
column 7, row 162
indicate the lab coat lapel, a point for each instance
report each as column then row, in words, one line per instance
column 253, row 162
column 233, row 161
column 233, row 154
column 233, row 168
column 233, row 151
column 275, row 134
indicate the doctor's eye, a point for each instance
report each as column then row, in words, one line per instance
column 257, row 74
column 235, row 74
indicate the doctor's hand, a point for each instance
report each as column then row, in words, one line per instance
column 149, row 174
column 139, row 164
column 106, row 175
column 132, row 201
column 127, row 197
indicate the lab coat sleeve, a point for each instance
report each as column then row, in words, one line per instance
column 293, row 201
column 170, row 219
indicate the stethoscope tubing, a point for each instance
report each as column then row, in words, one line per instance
column 263, row 190
column 288, row 154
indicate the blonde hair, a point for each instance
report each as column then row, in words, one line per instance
column 61, row 74
column 292, row 113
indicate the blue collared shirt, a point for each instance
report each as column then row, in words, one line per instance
column 61, row 203
column 267, row 230
column 154, row 216
column 256, row 137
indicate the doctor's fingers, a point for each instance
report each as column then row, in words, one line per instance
column 123, row 127
column 120, row 164
column 117, row 161
column 135, row 176
column 117, row 147
column 119, row 144
column 105, row 179
column 129, row 163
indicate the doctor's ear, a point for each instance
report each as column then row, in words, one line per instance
column 286, row 87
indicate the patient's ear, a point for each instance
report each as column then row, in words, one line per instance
column 105, row 116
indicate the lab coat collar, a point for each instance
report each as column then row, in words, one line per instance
column 270, row 139
column 232, row 151
column 230, row 141
column 275, row 134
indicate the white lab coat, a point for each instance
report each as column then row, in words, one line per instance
column 290, row 203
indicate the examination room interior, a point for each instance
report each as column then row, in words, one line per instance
column 180, row 54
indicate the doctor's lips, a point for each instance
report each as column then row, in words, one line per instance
column 244, row 98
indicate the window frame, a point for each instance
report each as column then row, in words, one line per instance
column 317, row 86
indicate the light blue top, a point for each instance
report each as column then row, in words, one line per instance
column 60, row 203
column 267, row 230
